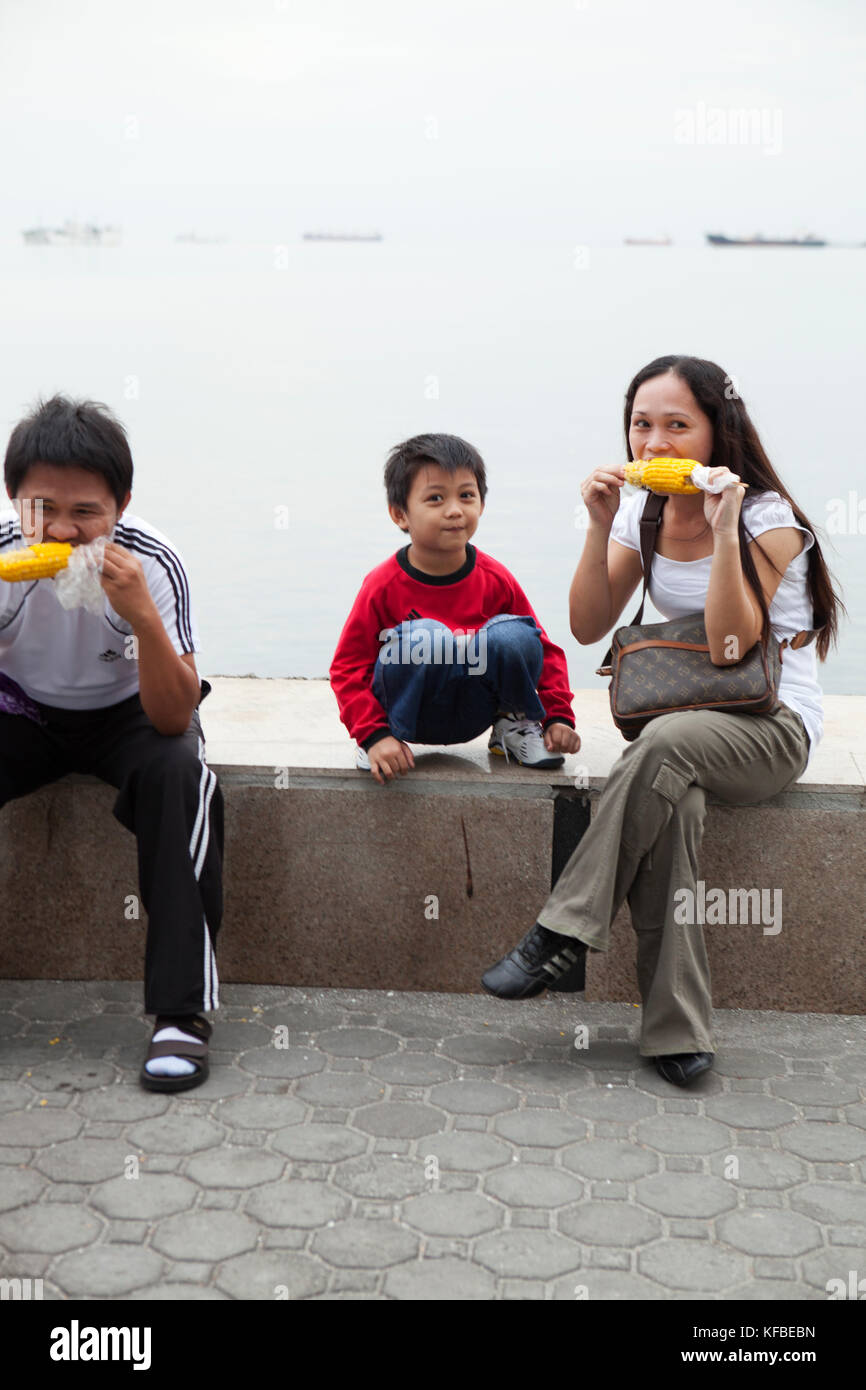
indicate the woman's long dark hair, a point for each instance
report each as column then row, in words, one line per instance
column 736, row 446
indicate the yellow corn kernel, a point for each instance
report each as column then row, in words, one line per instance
column 36, row 562
column 666, row 476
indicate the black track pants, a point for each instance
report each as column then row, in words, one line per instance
column 171, row 801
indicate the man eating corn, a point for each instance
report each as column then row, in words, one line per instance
column 115, row 692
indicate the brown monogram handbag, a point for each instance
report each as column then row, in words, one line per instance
column 658, row 668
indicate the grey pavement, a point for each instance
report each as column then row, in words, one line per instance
column 376, row 1145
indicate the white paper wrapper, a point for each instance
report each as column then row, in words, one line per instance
column 78, row 586
column 700, row 477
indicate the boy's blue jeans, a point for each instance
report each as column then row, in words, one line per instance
column 436, row 687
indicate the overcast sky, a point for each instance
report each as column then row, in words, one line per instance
column 583, row 119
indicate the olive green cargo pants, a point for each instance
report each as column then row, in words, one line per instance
column 643, row 843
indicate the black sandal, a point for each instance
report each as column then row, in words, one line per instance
column 195, row 1052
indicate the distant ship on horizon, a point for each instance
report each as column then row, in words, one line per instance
column 648, row 241
column 342, row 236
column 193, row 239
column 72, row 234
column 717, row 239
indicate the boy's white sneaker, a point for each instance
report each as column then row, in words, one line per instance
column 361, row 759
column 523, row 740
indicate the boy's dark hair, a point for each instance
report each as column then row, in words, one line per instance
column 70, row 434
column 407, row 459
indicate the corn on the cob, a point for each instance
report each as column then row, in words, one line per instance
column 667, row 476
column 36, row 562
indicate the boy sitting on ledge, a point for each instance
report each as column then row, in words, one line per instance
column 113, row 690
column 441, row 641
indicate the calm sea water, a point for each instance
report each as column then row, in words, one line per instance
column 262, row 388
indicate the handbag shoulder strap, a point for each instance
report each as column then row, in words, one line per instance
column 650, row 521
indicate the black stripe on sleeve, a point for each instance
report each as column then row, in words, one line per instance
column 132, row 539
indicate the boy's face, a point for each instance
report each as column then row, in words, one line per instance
column 76, row 505
column 442, row 510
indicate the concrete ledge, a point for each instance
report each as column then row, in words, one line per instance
column 333, row 881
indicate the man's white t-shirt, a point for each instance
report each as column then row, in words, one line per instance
column 678, row 588
column 74, row 659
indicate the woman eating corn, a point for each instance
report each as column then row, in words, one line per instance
column 747, row 557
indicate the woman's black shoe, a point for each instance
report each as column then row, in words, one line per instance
column 542, row 959
column 682, row 1067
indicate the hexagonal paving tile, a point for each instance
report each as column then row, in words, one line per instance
column 533, row 1185
column 463, row 1151
column 610, row 1158
column 319, row 1143
column 175, row 1133
column 832, row 1203
column 825, row 1142
column 686, row 1194
column 523, row 1253
column 357, row 1042
column 474, row 1097
column 345, row 1090
column 458, row 1214
column 205, row 1235
column 13, row 1097
column 759, row 1232
column 272, row 1274
column 380, row 1177
column 413, row 1069
column 697, row 1265
column 485, row 1049
column 147, row 1198
column 762, row 1168
column 553, row 1077
column 48, row 1229
column 743, row 1111
column 682, row 1134
column 38, row 1128
column 70, row 1074
column 815, row 1090
column 749, row 1061
column 541, row 1129
column 836, row 1262
column 122, row 1104
column 106, row 1270
column 308, row 1205
column 609, row 1223
column 19, row 1188
column 359, row 1244
column 619, row 1103
column 85, row 1160
column 288, row 1062
column 235, row 1167
column 399, row 1120
column 261, row 1112
column 441, row 1279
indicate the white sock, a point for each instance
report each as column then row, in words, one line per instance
column 171, row 1066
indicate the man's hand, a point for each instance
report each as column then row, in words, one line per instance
column 561, row 738
column 389, row 756
column 124, row 582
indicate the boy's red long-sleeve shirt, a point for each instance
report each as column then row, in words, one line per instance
column 464, row 601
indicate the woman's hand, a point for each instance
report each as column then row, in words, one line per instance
column 722, row 509
column 600, row 493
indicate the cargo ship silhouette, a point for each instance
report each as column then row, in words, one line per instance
column 342, row 236
column 716, row 239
